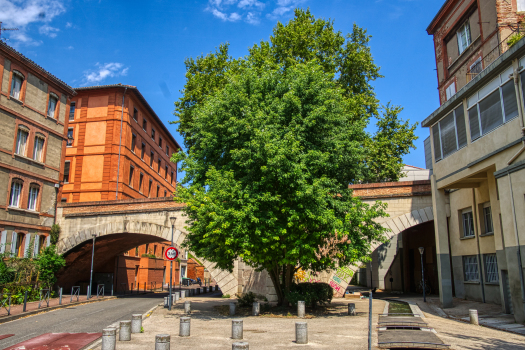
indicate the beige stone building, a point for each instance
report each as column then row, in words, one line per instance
column 33, row 125
column 475, row 150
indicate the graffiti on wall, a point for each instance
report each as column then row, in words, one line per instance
column 340, row 279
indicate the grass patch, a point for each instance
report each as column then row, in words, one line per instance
column 275, row 311
column 397, row 307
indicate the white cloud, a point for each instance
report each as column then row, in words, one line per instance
column 283, row 8
column 251, row 4
column 48, row 30
column 70, row 47
column 103, row 71
column 69, row 24
column 251, row 10
column 252, row 18
column 232, row 17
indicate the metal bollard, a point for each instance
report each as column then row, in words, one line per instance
column 184, row 330
column 125, row 331
column 182, row 294
column 166, row 302
column 187, row 307
column 25, row 302
column 240, row 346
column 109, row 339
column 60, row 296
column 301, row 332
column 87, row 293
column 136, row 323
column 351, row 309
column 300, row 309
column 256, row 308
column 162, row 342
column 473, row 316
column 233, row 307
column 236, row 329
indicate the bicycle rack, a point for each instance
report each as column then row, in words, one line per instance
column 75, row 291
column 100, row 290
column 6, row 301
column 44, row 296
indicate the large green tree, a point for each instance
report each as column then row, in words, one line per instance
column 274, row 139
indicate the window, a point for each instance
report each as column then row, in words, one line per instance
column 149, row 188
column 492, row 105
column 52, row 105
column 451, row 91
column 72, row 111
column 16, row 84
column 21, row 141
column 165, row 193
column 16, row 190
column 38, row 148
column 468, row 223
column 66, row 171
column 33, row 196
column 136, row 251
column 141, row 178
column 487, row 219
column 475, row 68
column 70, row 137
column 151, row 158
column 153, row 134
column 470, row 268
column 166, row 173
column 145, row 124
column 464, row 39
column 491, row 268
column 135, row 114
column 520, row 5
column 158, row 170
column 158, row 190
column 142, row 151
column 133, row 141
column 160, row 142
column 131, row 171
column 167, row 150
column 172, row 177
column 450, row 134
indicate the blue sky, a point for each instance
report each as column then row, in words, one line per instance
column 144, row 43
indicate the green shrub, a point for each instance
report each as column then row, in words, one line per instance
column 312, row 294
column 514, row 38
column 152, row 256
column 226, row 295
column 246, row 300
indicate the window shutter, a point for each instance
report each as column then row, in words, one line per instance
column 26, row 247
column 460, row 126
column 37, row 245
column 3, row 239
column 448, row 135
column 14, row 236
column 428, row 154
column 490, row 112
column 474, row 123
column 509, row 100
column 48, row 241
column 437, row 142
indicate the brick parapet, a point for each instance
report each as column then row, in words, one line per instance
column 392, row 189
column 127, row 206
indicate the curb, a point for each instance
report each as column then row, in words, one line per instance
column 484, row 325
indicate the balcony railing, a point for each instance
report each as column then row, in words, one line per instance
column 490, row 57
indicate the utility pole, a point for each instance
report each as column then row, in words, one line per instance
column 172, row 219
column 91, row 276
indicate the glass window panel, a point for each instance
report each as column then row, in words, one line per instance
column 460, row 126
column 16, row 189
column 491, row 268
column 470, row 268
column 33, row 195
column 21, row 142
column 487, row 216
column 72, row 111
column 448, row 135
column 437, row 142
column 490, row 112
column 509, row 100
column 474, row 123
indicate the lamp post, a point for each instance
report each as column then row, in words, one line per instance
column 172, row 219
column 91, row 276
column 421, row 250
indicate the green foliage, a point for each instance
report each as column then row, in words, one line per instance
column 312, row 294
column 246, row 299
column 54, row 233
column 7, row 274
column 226, row 296
column 141, row 329
column 274, row 139
column 194, row 258
column 514, row 38
column 49, row 263
column 152, row 256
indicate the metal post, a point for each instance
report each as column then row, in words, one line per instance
column 92, row 257
column 171, row 269
column 370, row 321
column 421, row 250
column 60, row 296
column 25, row 302
column 87, row 293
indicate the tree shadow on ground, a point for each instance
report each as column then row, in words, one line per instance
column 486, row 343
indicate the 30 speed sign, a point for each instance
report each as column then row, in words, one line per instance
column 171, row 253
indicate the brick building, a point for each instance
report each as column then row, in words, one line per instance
column 118, row 148
column 33, row 124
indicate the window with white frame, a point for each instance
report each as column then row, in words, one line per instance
column 66, row 171
column 468, row 222
column 70, row 138
column 33, row 196
column 470, row 268
column 38, row 148
column 491, row 268
column 16, row 191
column 492, row 105
column 16, row 84
column 21, row 140
column 52, row 105
column 450, row 91
column 464, row 39
column 450, row 133
column 487, row 218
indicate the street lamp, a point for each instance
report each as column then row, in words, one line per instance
column 172, row 219
column 421, row 250
column 92, row 257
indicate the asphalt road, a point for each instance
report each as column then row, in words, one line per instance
column 77, row 319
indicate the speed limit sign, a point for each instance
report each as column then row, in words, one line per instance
column 171, row 253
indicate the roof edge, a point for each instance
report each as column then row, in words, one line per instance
column 430, row 27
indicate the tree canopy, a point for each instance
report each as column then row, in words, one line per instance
column 274, row 139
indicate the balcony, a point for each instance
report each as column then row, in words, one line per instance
column 477, row 67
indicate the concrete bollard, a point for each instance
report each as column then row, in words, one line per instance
column 202, row 290
column 182, row 294
column 256, row 308
column 176, row 296
column 184, row 330
column 162, row 342
column 473, row 316
column 351, row 309
column 236, row 329
column 125, row 331
column 233, row 308
column 301, row 332
column 187, row 307
column 136, row 323
column 240, row 346
column 166, row 302
column 300, row 309
column 109, row 339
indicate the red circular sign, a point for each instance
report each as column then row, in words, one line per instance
column 171, row 253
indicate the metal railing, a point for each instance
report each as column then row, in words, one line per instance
column 75, row 292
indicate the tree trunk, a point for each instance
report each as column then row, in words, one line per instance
column 274, row 275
